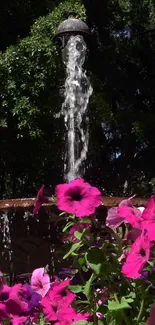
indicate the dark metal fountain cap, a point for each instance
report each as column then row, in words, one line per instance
column 69, row 27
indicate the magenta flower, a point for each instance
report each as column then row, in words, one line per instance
column 16, row 302
column 40, row 281
column 148, row 218
column 68, row 316
column 151, row 318
column 57, row 298
column 49, row 311
column 60, row 295
column 115, row 218
column 78, row 198
column 4, row 296
column 131, row 215
column 143, row 219
column 137, row 257
column 133, row 234
column 16, row 320
column 40, row 199
column 57, row 312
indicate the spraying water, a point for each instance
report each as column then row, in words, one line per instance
column 77, row 93
column 5, row 227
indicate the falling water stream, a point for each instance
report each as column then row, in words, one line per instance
column 6, row 240
column 77, row 93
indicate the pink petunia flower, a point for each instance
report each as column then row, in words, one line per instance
column 115, row 218
column 59, row 295
column 148, row 218
column 137, row 257
column 16, row 302
column 151, row 319
column 78, row 198
column 40, row 199
column 141, row 218
column 131, row 215
column 69, row 316
column 56, row 312
column 40, row 281
column 16, row 320
column 58, row 298
column 4, row 296
column 133, row 234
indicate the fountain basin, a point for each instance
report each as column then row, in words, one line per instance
column 28, row 203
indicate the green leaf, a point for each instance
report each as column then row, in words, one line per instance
column 78, row 234
column 129, row 300
column 6, row 321
column 116, row 305
column 82, row 302
column 94, row 259
column 131, row 295
column 62, row 213
column 69, row 224
column 76, row 288
column 100, row 322
column 88, row 221
column 114, row 318
column 81, row 261
column 87, row 288
column 73, row 248
column 151, row 263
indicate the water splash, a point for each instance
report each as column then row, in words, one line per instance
column 26, row 217
column 77, row 93
column 5, row 226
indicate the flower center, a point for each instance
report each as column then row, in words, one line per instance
column 75, row 195
column 63, row 293
column 4, row 296
column 142, row 252
column 40, row 284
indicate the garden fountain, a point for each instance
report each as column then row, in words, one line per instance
column 72, row 37
column 28, row 242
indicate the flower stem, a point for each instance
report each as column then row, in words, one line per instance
column 141, row 310
column 126, row 320
column 95, row 320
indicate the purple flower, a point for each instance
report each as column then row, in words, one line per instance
column 31, row 297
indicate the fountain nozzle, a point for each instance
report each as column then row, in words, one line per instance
column 70, row 27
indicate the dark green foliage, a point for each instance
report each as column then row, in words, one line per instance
column 121, row 62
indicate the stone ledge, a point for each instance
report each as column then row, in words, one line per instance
column 28, row 203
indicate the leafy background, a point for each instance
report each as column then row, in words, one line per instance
column 121, row 66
